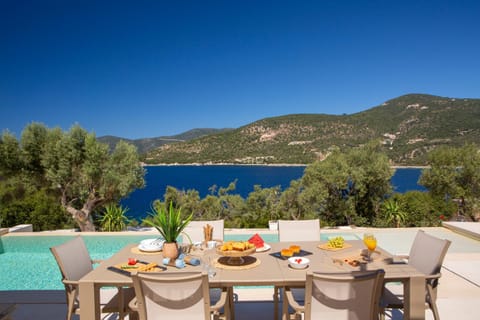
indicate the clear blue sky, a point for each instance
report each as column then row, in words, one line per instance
column 140, row 69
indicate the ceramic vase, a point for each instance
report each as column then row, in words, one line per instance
column 170, row 250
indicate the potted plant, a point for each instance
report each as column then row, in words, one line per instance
column 170, row 225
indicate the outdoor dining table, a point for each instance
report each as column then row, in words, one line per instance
column 269, row 270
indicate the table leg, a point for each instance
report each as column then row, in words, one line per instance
column 285, row 315
column 275, row 302
column 414, row 295
column 89, row 297
column 230, row 304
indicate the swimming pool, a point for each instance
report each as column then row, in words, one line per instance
column 27, row 263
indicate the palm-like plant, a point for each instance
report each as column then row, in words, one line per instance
column 393, row 212
column 169, row 223
column 113, row 218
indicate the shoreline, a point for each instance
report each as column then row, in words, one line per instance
column 257, row 164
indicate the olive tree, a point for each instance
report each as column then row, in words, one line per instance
column 261, row 206
column 10, row 155
column 454, row 175
column 86, row 175
column 354, row 183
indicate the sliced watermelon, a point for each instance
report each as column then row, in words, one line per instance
column 257, row 240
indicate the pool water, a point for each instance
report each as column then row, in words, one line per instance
column 28, row 264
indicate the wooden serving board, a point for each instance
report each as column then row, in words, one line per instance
column 325, row 246
column 126, row 269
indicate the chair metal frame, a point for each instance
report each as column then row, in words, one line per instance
column 74, row 262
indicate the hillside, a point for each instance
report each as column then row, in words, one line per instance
column 146, row 144
column 408, row 126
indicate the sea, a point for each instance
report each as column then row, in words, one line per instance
column 203, row 177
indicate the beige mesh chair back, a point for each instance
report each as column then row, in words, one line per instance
column 299, row 230
column 74, row 262
column 172, row 295
column 292, row 231
column 194, row 230
column 426, row 255
column 352, row 296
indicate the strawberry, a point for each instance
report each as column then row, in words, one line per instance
column 132, row 261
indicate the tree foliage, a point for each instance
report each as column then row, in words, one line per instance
column 73, row 166
column 454, row 175
column 350, row 186
column 48, row 173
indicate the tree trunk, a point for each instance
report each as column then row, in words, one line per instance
column 83, row 219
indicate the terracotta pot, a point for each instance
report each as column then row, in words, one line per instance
column 170, row 250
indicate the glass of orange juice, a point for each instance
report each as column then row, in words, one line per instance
column 371, row 243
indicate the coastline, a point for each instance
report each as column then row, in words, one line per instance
column 256, row 164
column 224, row 164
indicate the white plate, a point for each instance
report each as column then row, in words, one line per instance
column 149, row 248
column 264, row 248
column 147, row 241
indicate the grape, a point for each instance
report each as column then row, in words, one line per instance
column 336, row 242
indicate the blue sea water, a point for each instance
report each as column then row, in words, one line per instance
column 202, row 178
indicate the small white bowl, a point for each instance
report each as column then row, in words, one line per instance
column 298, row 262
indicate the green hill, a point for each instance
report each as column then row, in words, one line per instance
column 408, row 126
column 146, row 144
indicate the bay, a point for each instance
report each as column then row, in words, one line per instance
column 202, row 178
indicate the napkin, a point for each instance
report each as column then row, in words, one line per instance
column 181, row 261
column 257, row 240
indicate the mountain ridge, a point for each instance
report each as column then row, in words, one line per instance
column 408, row 127
column 146, row 144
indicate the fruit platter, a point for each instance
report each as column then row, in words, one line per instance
column 235, row 251
column 335, row 244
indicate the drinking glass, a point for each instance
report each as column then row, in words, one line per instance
column 371, row 243
column 208, row 263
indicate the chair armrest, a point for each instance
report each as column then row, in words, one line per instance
column 133, row 305
column 70, row 282
column 433, row 276
column 292, row 302
column 221, row 302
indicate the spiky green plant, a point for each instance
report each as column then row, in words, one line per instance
column 169, row 223
column 114, row 218
column 394, row 213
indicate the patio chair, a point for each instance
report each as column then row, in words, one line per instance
column 74, row 262
column 293, row 231
column 426, row 255
column 350, row 295
column 174, row 296
column 194, row 230
column 299, row 230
